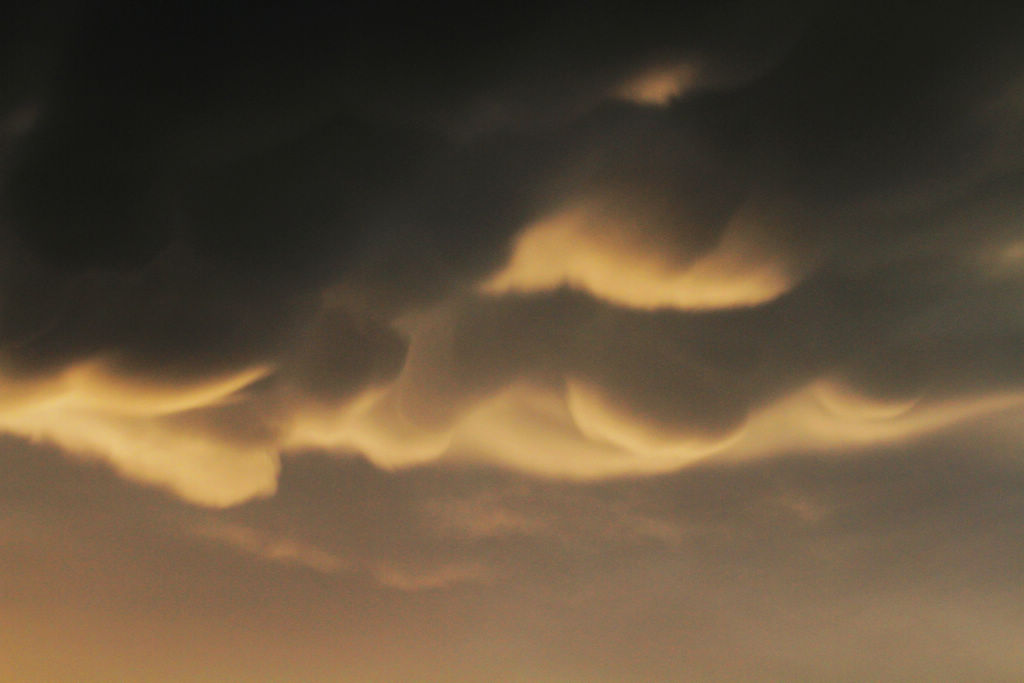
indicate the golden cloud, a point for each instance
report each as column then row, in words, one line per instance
column 92, row 410
column 282, row 549
column 583, row 248
column 828, row 415
column 657, row 86
column 579, row 429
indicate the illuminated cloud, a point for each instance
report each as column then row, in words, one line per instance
column 212, row 263
column 379, row 344
column 600, row 419
column 640, row 408
column 89, row 410
column 657, row 86
column 827, row 417
column 279, row 549
column 522, row 426
column 271, row 548
column 372, row 425
column 596, row 441
column 627, row 263
column 97, row 386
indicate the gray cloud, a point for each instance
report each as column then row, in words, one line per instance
column 480, row 339
column 392, row 237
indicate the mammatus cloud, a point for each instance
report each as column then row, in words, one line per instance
column 176, row 437
column 577, row 248
column 271, row 548
column 91, row 411
column 619, row 259
column 96, row 386
column 825, row 416
column 598, row 417
column 351, row 341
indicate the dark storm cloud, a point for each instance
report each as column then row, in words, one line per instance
column 237, row 127
column 395, row 233
column 512, row 257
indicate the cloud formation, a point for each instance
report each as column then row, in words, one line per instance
column 579, row 248
column 620, row 262
column 516, row 342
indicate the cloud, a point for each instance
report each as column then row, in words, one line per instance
column 88, row 411
column 587, row 249
column 659, row 85
column 578, row 248
column 283, row 550
column 499, row 379
column 416, row 344
column 273, row 549
column 827, row 417
column 600, row 419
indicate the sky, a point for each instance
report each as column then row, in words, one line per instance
column 517, row 343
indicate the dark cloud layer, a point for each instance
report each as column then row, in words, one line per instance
column 511, row 271
column 799, row 192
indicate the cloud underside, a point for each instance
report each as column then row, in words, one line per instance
column 581, row 422
column 511, row 342
column 582, row 249
column 609, row 343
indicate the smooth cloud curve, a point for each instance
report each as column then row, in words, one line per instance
column 599, row 418
column 590, row 426
column 581, row 248
column 90, row 409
